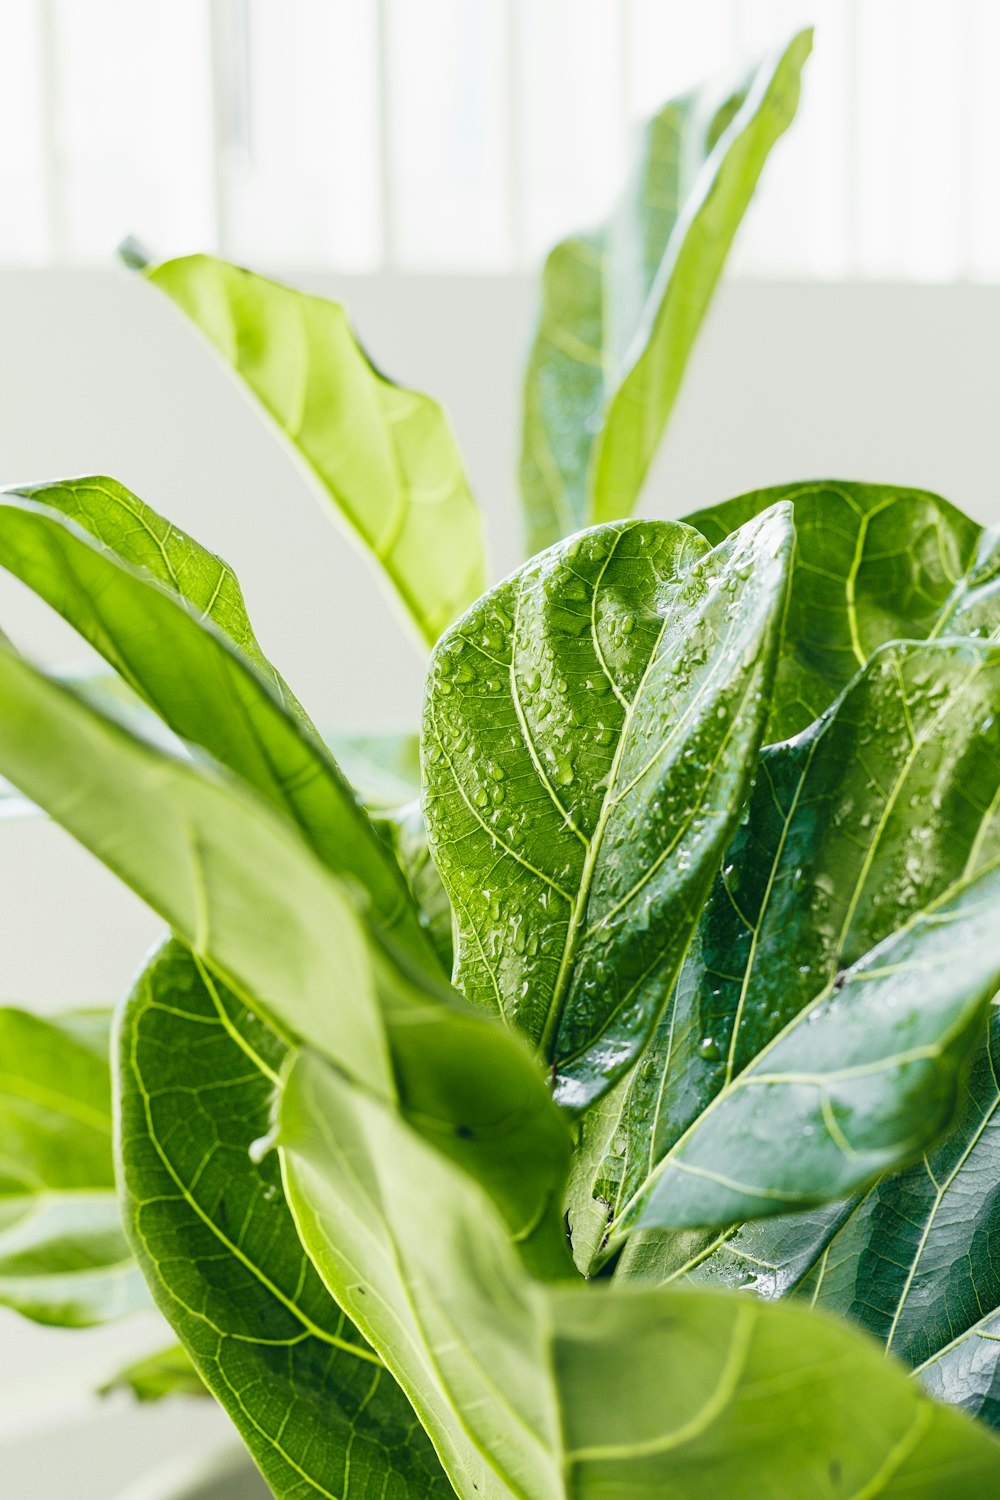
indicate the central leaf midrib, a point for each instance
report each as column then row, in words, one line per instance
column 554, row 1014
column 609, row 802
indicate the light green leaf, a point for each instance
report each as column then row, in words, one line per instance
column 382, row 456
column 592, row 1393
column 873, row 563
column 841, row 970
column 167, row 1372
column 622, row 306
column 590, row 731
column 64, row 1258
column 406, row 831
column 315, row 1405
column 235, row 880
column 912, row 1260
column 166, row 615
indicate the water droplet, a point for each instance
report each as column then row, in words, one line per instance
column 708, row 1048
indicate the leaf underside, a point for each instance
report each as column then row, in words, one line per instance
column 211, row 1228
column 551, row 1392
column 384, row 458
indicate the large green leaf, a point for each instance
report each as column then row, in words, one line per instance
column 64, row 1257
column 168, row 615
column 841, row 970
column 384, row 457
column 622, row 306
column 590, row 730
column 236, row 881
column 212, row 1231
column 551, row 1393
column 873, row 563
column 913, row 1259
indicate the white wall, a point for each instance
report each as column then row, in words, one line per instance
column 97, row 373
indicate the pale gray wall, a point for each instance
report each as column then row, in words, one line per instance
column 97, row 373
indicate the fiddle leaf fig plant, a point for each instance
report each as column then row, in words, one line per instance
column 480, row 1107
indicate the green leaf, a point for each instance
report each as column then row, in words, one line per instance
column 235, row 880
column 821, row 1024
column 64, row 1258
column 166, row 614
column 212, row 1231
column 406, row 831
column 590, row 731
column 549, row 1392
column 382, row 456
column 873, row 563
column 912, row 1260
column 167, row 1372
column 622, row 306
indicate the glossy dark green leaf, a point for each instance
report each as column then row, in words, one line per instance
column 873, row 563
column 147, row 597
column 590, row 730
column 64, row 1258
column 622, row 306
column 593, row 1393
column 213, row 1233
column 382, row 456
column 840, row 972
column 167, row 1372
column 236, row 881
column 913, row 1260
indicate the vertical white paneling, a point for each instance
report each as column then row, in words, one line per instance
column 133, row 124
column 674, row 45
column 983, row 144
column 471, row 134
column 447, row 138
column 25, row 223
column 879, row 140
column 572, row 115
column 299, row 161
column 934, row 143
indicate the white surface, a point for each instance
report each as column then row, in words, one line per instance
column 100, row 374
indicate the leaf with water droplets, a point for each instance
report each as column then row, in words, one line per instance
column 843, row 963
column 873, row 563
column 582, row 779
column 912, row 1259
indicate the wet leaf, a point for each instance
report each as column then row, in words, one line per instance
column 590, row 730
column 840, row 974
column 873, row 563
